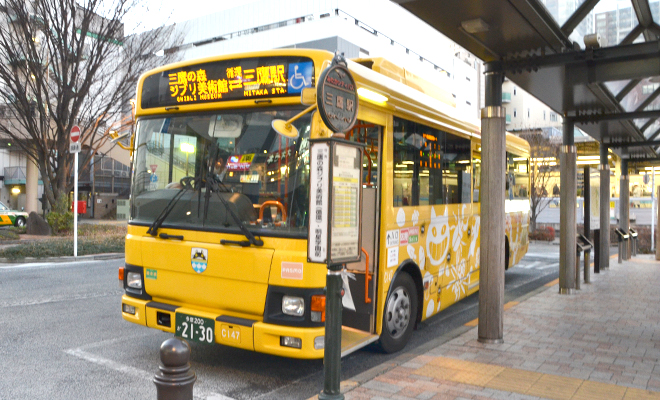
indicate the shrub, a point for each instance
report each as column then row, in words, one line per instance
column 19, row 229
column 6, row 234
column 59, row 247
column 551, row 233
column 60, row 218
column 547, row 233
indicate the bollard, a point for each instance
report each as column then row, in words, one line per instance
column 175, row 380
column 577, row 268
column 587, row 267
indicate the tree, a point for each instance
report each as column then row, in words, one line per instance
column 543, row 165
column 66, row 63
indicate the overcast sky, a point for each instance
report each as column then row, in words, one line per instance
column 169, row 11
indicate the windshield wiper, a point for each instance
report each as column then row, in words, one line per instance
column 153, row 229
column 251, row 239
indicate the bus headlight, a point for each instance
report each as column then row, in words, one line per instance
column 292, row 305
column 134, row 280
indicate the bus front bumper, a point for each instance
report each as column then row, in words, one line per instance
column 256, row 336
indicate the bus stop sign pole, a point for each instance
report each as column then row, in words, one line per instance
column 335, row 205
column 74, row 147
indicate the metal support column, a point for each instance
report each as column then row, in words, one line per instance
column 624, row 206
column 657, row 235
column 493, row 156
column 604, row 248
column 586, row 195
column 567, row 208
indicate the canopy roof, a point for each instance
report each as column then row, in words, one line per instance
column 609, row 89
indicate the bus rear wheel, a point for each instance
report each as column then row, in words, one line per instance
column 20, row 222
column 399, row 314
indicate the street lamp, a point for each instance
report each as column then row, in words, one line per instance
column 188, row 149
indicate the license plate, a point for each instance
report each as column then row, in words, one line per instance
column 195, row 328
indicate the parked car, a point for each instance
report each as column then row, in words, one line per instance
column 12, row 217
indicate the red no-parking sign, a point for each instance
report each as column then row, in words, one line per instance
column 74, row 137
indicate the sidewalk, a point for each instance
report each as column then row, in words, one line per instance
column 602, row 343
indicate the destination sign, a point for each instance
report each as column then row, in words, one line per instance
column 248, row 78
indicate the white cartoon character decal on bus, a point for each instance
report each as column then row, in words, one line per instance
column 437, row 240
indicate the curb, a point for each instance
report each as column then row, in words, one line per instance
column 90, row 257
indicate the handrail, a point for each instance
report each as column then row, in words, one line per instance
column 366, row 153
column 622, row 234
column 272, row 203
column 367, row 277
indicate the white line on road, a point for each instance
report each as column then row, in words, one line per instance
column 136, row 372
column 554, row 265
column 542, row 255
column 23, row 303
column 47, row 264
column 532, row 265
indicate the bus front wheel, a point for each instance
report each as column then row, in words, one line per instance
column 399, row 314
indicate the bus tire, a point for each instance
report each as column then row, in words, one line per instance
column 399, row 314
column 20, row 222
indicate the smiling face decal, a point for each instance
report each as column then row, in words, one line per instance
column 437, row 239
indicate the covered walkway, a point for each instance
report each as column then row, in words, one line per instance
column 603, row 343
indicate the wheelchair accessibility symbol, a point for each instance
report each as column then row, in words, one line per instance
column 300, row 76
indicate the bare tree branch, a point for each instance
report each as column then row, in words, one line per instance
column 66, row 63
column 543, row 155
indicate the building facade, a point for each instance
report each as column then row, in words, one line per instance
column 377, row 28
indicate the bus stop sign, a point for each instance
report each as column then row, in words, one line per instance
column 337, row 96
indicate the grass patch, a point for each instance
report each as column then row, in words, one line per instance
column 92, row 239
column 6, row 234
column 20, row 230
column 64, row 247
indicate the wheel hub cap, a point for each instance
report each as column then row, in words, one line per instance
column 398, row 312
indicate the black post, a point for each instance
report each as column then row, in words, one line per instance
column 332, row 348
column 586, row 195
column 175, row 380
column 597, row 251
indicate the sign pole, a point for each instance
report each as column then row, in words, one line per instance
column 332, row 349
column 335, row 206
column 74, row 147
column 652, row 208
column 75, row 205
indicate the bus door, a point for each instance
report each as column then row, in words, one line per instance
column 359, row 300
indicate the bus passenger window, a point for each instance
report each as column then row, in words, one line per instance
column 517, row 177
column 430, row 166
column 476, row 178
column 408, row 146
column 456, row 169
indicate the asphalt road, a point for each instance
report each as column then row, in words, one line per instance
column 62, row 337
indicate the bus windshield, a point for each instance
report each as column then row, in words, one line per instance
column 186, row 163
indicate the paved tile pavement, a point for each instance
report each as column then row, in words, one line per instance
column 601, row 343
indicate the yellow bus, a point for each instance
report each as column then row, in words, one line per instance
column 216, row 249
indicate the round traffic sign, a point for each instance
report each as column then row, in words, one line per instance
column 75, row 133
